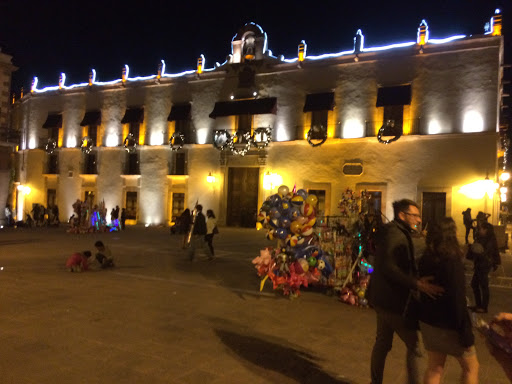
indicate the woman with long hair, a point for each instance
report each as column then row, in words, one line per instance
column 444, row 321
column 211, row 223
column 485, row 254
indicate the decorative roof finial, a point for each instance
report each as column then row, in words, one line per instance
column 200, row 64
column 423, row 33
column 496, row 23
column 358, row 42
column 302, row 50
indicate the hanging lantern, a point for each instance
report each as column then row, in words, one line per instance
column 50, row 146
column 86, row 145
column 262, row 137
column 389, row 129
column 176, row 141
column 317, row 135
column 241, row 143
column 130, row 144
column 221, row 140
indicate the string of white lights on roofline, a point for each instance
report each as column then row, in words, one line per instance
column 358, row 48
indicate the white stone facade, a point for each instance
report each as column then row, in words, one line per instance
column 451, row 139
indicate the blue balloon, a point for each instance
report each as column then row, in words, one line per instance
column 274, row 223
column 281, row 233
column 302, row 193
column 285, row 222
column 275, row 200
column 328, row 267
column 274, row 213
column 294, row 213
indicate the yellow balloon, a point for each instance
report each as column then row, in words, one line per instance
column 295, row 227
column 312, row 199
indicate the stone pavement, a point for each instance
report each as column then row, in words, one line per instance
column 158, row 318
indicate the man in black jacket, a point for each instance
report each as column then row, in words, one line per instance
column 392, row 285
column 198, row 232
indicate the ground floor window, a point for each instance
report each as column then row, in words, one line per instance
column 89, row 195
column 178, row 204
column 320, row 194
column 131, row 205
column 51, row 198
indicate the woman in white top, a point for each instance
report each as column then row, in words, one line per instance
column 211, row 223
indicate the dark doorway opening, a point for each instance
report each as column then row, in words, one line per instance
column 434, row 208
column 242, row 204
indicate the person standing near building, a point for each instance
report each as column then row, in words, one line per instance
column 468, row 223
column 8, row 216
column 211, row 225
column 392, row 290
column 185, row 221
column 123, row 218
column 444, row 321
column 485, row 255
column 198, row 232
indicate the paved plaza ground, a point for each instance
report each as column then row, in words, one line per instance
column 158, row 318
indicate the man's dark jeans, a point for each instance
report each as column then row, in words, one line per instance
column 387, row 324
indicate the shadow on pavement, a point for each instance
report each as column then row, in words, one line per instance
column 271, row 356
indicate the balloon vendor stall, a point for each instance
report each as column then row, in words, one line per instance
column 329, row 252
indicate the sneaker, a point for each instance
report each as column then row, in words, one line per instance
column 480, row 310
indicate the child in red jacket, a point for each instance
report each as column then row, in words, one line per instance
column 78, row 261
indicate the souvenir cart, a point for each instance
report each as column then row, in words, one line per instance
column 324, row 251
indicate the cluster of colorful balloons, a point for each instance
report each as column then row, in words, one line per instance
column 355, row 294
column 290, row 218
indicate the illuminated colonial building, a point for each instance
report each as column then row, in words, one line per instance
column 7, row 144
column 230, row 135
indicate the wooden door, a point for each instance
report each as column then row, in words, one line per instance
column 242, row 204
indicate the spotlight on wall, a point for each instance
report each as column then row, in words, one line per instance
column 210, row 178
column 505, row 176
column 25, row 189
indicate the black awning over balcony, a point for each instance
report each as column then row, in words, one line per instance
column 133, row 115
column 53, row 121
column 91, row 118
column 399, row 95
column 244, row 107
column 319, row 102
column 180, row 112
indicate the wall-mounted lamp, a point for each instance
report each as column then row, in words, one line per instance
column 25, row 189
column 210, row 178
column 271, row 180
column 505, row 176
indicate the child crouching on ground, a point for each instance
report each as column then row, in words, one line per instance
column 104, row 255
column 78, row 261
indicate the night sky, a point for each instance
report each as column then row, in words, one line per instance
column 49, row 37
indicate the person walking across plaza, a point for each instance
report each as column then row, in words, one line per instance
column 486, row 256
column 185, row 222
column 211, row 228
column 392, row 290
column 444, row 321
column 468, row 223
column 197, row 239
